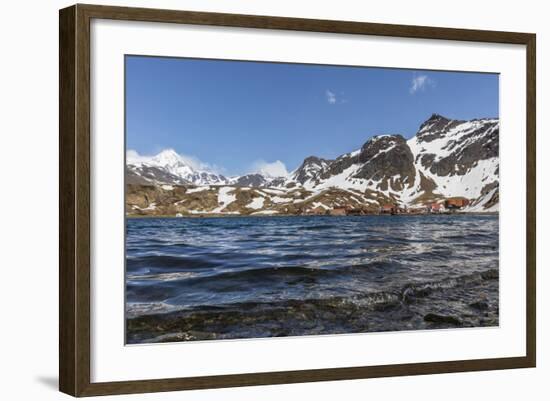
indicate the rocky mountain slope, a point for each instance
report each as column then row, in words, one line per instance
column 445, row 159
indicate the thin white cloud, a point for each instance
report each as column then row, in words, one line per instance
column 133, row 156
column 331, row 97
column 273, row 169
column 420, row 83
column 197, row 164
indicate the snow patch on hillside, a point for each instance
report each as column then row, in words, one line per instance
column 256, row 203
column 197, row 189
column 225, row 198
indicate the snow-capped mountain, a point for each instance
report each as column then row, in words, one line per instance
column 309, row 170
column 169, row 168
column 251, row 180
column 459, row 158
column 445, row 159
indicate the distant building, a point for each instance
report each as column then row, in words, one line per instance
column 355, row 211
column 338, row 211
column 319, row 210
column 456, row 203
column 435, row 207
column 388, row 209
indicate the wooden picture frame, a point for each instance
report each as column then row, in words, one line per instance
column 74, row 203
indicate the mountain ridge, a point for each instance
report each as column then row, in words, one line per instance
column 446, row 158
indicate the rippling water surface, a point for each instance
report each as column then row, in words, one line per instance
column 215, row 278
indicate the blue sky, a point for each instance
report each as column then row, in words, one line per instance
column 238, row 117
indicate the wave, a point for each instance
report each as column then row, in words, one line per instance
column 308, row 270
column 169, row 261
column 407, row 294
column 161, row 276
column 416, row 290
column 316, row 227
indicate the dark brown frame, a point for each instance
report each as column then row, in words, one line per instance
column 74, row 199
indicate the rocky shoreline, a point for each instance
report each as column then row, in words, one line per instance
column 473, row 302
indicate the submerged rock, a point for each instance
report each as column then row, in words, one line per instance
column 435, row 318
column 479, row 305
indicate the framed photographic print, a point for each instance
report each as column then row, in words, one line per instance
column 250, row 200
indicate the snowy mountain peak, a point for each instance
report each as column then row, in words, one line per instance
column 383, row 141
column 311, row 167
column 456, row 157
column 168, row 157
column 170, row 160
column 435, row 123
column 436, row 117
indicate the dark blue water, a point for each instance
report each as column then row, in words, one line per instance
column 209, row 278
